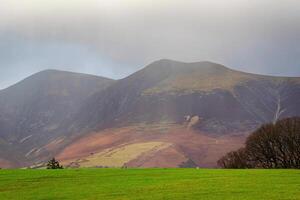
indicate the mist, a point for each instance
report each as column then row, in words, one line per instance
column 114, row 38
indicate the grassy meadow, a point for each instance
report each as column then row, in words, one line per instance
column 149, row 184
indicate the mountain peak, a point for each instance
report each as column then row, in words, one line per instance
column 194, row 76
column 52, row 79
column 53, row 72
column 165, row 60
column 184, row 66
column 66, row 73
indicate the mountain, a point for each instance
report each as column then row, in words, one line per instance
column 225, row 100
column 32, row 110
column 169, row 114
column 186, row 112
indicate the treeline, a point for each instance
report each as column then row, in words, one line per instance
column 271, row 146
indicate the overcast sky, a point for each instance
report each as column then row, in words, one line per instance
column 114, row 38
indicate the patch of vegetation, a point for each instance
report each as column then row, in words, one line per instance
column 54, row 164
column 117, row 157
column 271, row 146
column 188, row 164
column 149, row 184
column 199, row 81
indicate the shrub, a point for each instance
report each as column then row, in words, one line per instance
column 271, row 146
column 235, row 160
column 54, row 164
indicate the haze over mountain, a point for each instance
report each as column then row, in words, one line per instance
column 114, row 38
column 32, row 110
column 168, row 114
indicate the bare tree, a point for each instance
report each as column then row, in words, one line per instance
column 235, row 160
column 271, row 146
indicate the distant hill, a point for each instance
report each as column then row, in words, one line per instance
column 32, row 110
column 169, row 114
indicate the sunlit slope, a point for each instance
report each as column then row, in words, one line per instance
column 206, row 77
column 148, row 145
column 118, row 156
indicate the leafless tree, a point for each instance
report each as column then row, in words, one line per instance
column 271, row 146
column 235, row 160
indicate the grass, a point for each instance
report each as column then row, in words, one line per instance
column 197, row 81
column 149, row 184
column 119, row 156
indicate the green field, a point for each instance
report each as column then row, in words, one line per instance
column 149, row 184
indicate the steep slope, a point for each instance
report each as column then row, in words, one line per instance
column 224, row 100
column 33, row 110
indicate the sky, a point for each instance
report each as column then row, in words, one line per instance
column 114, row 38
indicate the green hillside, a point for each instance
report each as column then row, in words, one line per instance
column 150, row 184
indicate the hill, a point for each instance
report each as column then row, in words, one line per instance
column 187, row 114
column 225, row 100
column 169, row 114
column 33, row 110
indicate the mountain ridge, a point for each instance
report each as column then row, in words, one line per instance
column 56, row 71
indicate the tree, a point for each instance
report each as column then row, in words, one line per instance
column 271, row 146
column 54, row 164
column 235, row 160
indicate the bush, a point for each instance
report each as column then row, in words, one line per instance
column 54, row 164
column 271, row 146
column 235, row 160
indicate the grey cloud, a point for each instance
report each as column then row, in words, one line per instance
column 260, row 36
